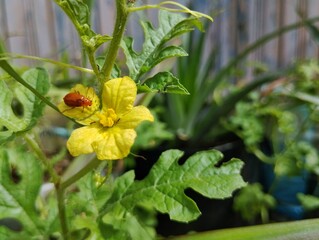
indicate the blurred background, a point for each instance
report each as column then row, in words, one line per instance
column 39, row 28
column 251, row 122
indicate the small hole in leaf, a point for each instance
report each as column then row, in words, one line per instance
column 83, row 233
column 3, row 128
column 53, row 237
column 17, row 107
column 15, row 176
column 12, row 224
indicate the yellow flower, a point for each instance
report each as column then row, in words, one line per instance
column 112, row 135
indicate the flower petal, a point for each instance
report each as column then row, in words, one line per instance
column 135, row 117
column 81, row 139
column 119, row 94
column 83, row 115
column 114, row 143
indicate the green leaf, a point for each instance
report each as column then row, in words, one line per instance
column 163, row 82
column 88, row 199
column 252, row 202
column 163, row 189
column 309, row 202
column 215, row 113
column 308, row 98
column 121, row 222
column 20, row 108
column 127, row 227
column 93, row 42
column 48, row 208
column 151, row 134
column 79, row 14
column 85, row 222
column 89, row 196
column 154, row 50
column 295, row 158
column 18, row 194
column 79, row 10
column 313, row 31
column 247, row 123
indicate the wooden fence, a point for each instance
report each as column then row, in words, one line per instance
column 38, row 28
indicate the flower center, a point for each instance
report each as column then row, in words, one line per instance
column 108, row 118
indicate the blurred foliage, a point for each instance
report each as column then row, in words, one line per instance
column 309, row 202
column 282, row 113
column 253, row 203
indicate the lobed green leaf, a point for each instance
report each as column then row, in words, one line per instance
column 163, row 82
column 20, row 108
column 79, row 13
column 163, row 189
column 79, row 10
column 18, row 194
column 154, row 50
column 95, row 41
column 119, row 223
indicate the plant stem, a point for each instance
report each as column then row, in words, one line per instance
column 120, row 23
column 108, row 173
column 6, row 67
column 30, row 139
column 92, row 61
column 60, row 191
column 8, row 56
column 109, row 169
column 264, row 215
column 62, row 213
column 91, row 165
column 145, row 99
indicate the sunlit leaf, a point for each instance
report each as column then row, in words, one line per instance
column 151, row 134
column 163, row 189
column 20, row 108
column 313, row 31
column 78, row 12
column 88, row 199
column 93, row 42
column 298, row 156
column 309, row 202
column 154, row 50
column 252, row 202
column 163, row 82
column 20, row 180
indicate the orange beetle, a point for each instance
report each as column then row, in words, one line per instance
column 75, row 99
